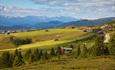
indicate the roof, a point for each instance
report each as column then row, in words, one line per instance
column 65, row 48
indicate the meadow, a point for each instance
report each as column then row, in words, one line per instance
column 42, row 38
column 69, row 63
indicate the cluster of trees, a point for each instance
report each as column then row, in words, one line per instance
column 19, row 58
column 98, row 49
column 17, row 41
column 112, row 46
column 8, row 59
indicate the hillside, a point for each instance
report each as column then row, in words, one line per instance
column 41, row 37
column 86, row 22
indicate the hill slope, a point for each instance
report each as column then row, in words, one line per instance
column 90, row 22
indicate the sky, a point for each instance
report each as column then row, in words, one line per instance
column 80, row 9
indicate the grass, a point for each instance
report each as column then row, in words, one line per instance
column 42, row 35
column 68, row 63
column 43, row 39
column 43, row 44
column 43, row 32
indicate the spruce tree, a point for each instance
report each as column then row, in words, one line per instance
column 46, row 56
column 84, row 51
column 36, row 55
column 52, row 52
column 28, row 54
column 58, row 52
column 78, row 51
column 18, row 61
column 6, row 60
column 112, row 47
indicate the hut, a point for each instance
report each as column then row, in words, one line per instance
column 66, row 50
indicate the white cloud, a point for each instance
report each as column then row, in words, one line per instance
column 72, row 8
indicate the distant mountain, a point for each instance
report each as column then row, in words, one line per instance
column 7, row 22
column 50, row 24
column 15, row 23
column 86, row 22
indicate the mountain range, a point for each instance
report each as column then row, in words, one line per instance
column 7, row 22
column 86, row 22
column 28, row 22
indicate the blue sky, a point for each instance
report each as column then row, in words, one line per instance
column 90, row 9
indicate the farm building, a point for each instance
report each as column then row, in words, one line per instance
column 66, row 50
column 86, row 29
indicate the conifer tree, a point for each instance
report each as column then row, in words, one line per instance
column 78, row 51
column 112, row 46
column 84, row 51
column 46, row 55
column 36, row 55
column 28, row 54
column 53, row 53
column 18, row 61
column 6, row 60
column 41, row 53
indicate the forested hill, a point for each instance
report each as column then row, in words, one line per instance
column 90, row 22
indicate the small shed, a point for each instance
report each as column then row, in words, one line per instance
column 66, row 50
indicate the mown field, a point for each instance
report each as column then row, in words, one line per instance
column 42, row 38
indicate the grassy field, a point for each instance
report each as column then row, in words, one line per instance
column 68, row 63
column 43, row 32
column 42, row 38
column 43, row 44
column 41, row 35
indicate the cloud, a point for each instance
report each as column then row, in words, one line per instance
column 72, row 2
column 14, row 11
column 70, row 8
column 84, row 8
